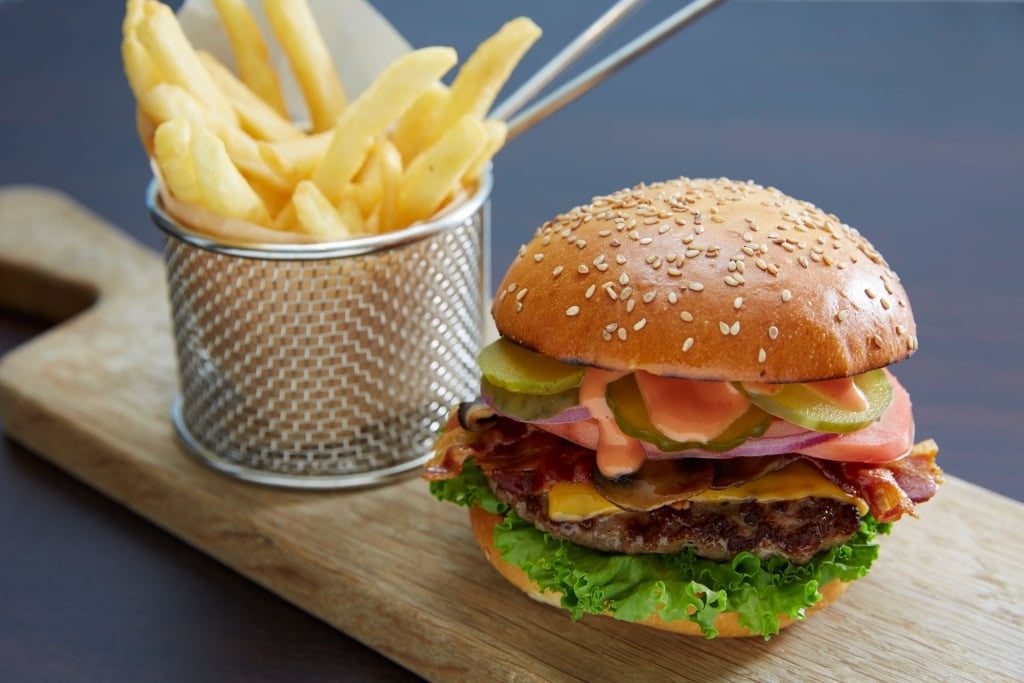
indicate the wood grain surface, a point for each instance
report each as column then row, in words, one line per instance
column 400, row 572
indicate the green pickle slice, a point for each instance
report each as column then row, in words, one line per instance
column 510, row 366
column 627, row 405
column 529, row 407
column 800, row 405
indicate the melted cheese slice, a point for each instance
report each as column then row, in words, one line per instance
column 572, row 502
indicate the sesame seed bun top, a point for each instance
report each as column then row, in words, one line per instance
column 706, row 279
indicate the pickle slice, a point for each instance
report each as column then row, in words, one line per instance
column 529, row 407
column 627, row 405
column 801, row 405
column 507, row 365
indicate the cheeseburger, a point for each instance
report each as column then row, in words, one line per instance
column 689, row 420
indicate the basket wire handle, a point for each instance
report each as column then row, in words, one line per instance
column 625, row 55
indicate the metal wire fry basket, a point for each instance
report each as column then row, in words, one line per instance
column 325, row 365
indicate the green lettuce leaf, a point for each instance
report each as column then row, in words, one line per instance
column 674, row 587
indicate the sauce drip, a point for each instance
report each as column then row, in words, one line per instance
column 688, row 410
column 617, row 454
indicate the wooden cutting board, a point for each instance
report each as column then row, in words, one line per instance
column 399, row 571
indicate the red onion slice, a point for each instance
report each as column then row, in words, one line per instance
column 781, row 437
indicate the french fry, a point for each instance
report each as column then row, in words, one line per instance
column 435, row 173
column 415, row 129
column 257, row 117
column 176, row 61
column 171, row 150
column 134, row 10
column 353, row 217
column 295, row 28
column 286, row 219
column 387, row 98
column 142, row 74
column 296, row 159
column 166, row 101
column 272, row 196
column 316, row 215
column 482, row 76
column 252, row 58
column 389, row 161
column 223, row 188
column 497, row 132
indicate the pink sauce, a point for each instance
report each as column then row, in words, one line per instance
column 842, row 393
column 690, row 411
column 617, row 454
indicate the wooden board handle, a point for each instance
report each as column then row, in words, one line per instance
column 57, row 258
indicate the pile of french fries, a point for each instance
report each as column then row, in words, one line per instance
column 403, row 150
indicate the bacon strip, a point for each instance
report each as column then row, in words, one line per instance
column 524, row 459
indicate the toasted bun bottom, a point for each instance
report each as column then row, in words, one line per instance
column 727, row 624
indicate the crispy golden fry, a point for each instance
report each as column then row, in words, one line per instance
column 316, row 215
column 257, row 117
column 389, row 162
column 273, row 197
column 436, row 173
column 224, row 190
column 387, row 98
column 176, row 61
column 415, row 129
column 134, row 10
column 171, row 150
column 295, row 28
column 296, row 159
column 252, row 58
column 166, row 102
column 350, row 213
column 482, row 76
column 142, row 74
column 497, row 131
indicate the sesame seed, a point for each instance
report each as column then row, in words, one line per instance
column 620, row 259
column 582, row 269
column 611, row 293
column 611, row 327
column 590, row 291
column 512, row 287
column 663, row 229
column 803, row 261
column 649, row 297
column 622, row 333
column 762, row 355
column 735, row 329
column 674, row 272
column 615, row 242
column 688, row 344
column 639, row 324
column 737, row 303
column 604, row 233
column 572, row 310
column 686, row 316
column 690, row 253
column 519, row 306
column 841, row 315
column 697, row 286
column 761, row 264
column 626, row 293
column 624, row 279
column 522, row 294
column 901, row 330
column 885, row 303
column 717, row 219
column 672, row 296
column 786, row 295
column 912, row 343
column 870, row 292
column 581, row 243
column 773, row 333
column 877, row 340
column 731, row 281
column 724, row 327
column 630, row 305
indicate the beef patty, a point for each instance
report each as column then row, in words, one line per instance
column 795, row 529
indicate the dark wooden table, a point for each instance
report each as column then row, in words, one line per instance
column 907, row 120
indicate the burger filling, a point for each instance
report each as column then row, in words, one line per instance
column 763, row 492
